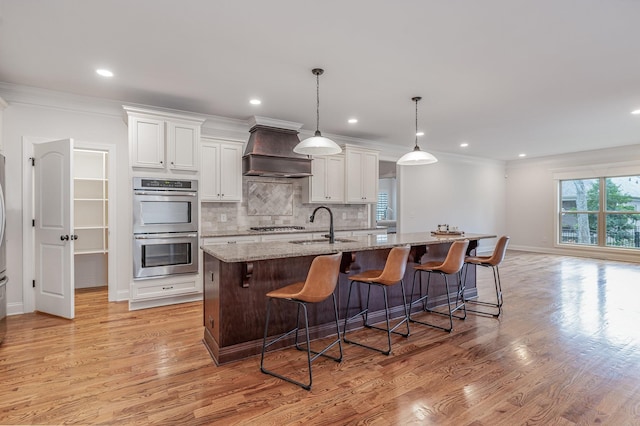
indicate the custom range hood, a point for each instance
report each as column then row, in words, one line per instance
column 269, row 151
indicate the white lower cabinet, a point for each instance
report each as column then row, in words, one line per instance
column 231, row 240
column 337, row 234
column 363, row 232
column 148, row 293
column 286, row 237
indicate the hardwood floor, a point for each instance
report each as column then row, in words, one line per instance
column 566, row 351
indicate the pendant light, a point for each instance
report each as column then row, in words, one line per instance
column 416, row 157
column 317, row 144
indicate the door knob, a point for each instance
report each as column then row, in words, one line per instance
column 64, row 237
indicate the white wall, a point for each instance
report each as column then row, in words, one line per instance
column 461, row 191
column 531, row 195
column 45, row 115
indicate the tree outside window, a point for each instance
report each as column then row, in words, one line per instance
column 591, row 216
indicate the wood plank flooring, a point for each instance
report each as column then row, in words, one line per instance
column 565, row 352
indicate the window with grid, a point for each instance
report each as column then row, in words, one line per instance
column 383, row 205
column 602, row 211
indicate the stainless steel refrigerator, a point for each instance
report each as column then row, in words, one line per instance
column 3, row 255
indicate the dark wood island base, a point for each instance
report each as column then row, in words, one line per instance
column 236, row 280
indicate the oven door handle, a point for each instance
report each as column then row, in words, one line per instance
column 167, row 193
column 163, row 236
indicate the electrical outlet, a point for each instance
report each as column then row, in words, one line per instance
column 223, row 217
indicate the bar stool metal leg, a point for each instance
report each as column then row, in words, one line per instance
column 307, row 348
column 498, row 287
column 452, row 265
column 492, row 262
column 364, row 313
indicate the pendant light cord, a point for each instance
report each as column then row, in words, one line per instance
column 317, row 104
column 416, row 99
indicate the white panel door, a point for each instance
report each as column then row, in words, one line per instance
column 182, row 146
column 318, row 180
column 335, row 179
column 209, row 187
column 354, row 177
column 370, row 177
column 54, row 234
column 230, row 172
column 146, row 136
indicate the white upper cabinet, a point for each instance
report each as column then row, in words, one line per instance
column 327, row 183
column 220, row 170
column 161, row 140
column 361, row 175
column 183, row 140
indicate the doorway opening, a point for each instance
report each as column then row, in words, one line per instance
column 92, row 234
column 91, row 218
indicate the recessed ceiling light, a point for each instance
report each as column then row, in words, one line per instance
column 522, row 155
column 352, row 120
column 420, row 134
column 464, row 145
column 105, row 73
column 255, row 101
column 636, row 112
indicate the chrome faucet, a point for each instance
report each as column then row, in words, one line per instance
column 332, row 238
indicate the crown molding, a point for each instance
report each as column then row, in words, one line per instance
column 272, row 122
column 620, row 155
column 45, row 98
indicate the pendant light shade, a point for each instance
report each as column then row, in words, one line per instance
column 417, row 156
column 317, row 144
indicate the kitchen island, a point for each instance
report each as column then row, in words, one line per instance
column 237, row 277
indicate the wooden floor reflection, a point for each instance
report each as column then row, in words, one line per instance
column 566, row 351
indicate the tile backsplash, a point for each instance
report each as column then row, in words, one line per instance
column 275, row 201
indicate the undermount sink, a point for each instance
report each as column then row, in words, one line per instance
column 320, row 241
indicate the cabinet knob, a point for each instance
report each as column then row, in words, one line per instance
column 161, row 162
column 64, row 238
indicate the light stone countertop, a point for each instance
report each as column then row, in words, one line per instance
column 324, row 229
column 231, row 253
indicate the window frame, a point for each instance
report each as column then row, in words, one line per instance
column 602, row 213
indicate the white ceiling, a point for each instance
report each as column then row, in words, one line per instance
column 539, row 77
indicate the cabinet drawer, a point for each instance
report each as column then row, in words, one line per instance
column 286, row 237
column 231, row 240
column 369, row 232
column 151, row 290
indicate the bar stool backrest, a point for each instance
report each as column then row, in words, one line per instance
column 455, row 257
column 499, row 252
column 395, row 265
column 321, row 279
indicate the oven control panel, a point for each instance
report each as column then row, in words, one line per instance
column 165, row 184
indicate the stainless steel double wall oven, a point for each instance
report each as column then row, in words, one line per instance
column 165, row 227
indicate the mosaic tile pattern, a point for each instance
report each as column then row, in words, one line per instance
column 269, row 198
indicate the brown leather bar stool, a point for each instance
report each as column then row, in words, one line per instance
column 452, row 265
column 320, row 284
column 392, row 274
column 492, row 262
